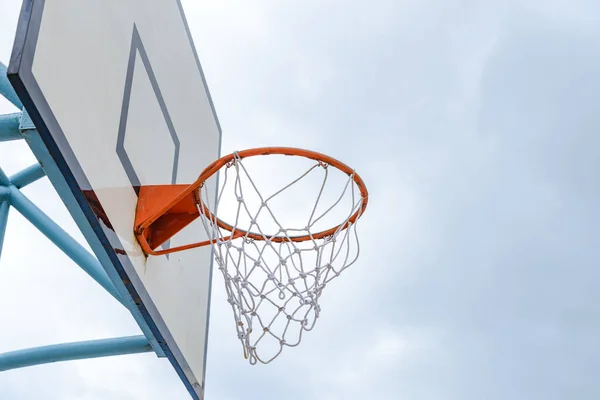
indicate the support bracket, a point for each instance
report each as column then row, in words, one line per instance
column 74, row 351
column 162, row 211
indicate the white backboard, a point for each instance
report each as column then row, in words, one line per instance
column 117, row 93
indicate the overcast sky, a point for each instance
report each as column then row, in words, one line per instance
column 475, row 126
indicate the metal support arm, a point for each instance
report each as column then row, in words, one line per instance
column 4, row 181
column 7, row 90
column 4, row 207
column 62, row 240
column 27, row 176
column 11, row 195
column 74, row 351
column 9, row 127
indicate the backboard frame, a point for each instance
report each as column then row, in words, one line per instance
column 70, row 181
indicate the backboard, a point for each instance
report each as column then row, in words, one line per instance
column 117, row 93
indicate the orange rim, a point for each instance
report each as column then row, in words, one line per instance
column 287, row 151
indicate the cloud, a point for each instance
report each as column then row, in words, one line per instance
column 474, row 126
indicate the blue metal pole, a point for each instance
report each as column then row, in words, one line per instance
column 4, row 207
column 74, row 351
column 62, row 240
column 9, row 127
column 4, row 181
column 7, row 90
column 27, row 176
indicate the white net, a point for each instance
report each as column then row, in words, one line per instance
column 274, row 268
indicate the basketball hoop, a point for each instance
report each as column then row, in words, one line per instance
column 274, row 272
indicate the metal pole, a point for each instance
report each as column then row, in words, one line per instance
column 4, row 181
column 7, row 90
column 4, row 207
column 62, row 240
column 74, row 351
column 27, row 176
column 9, row 127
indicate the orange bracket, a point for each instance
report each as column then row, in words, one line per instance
column 162, row 211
